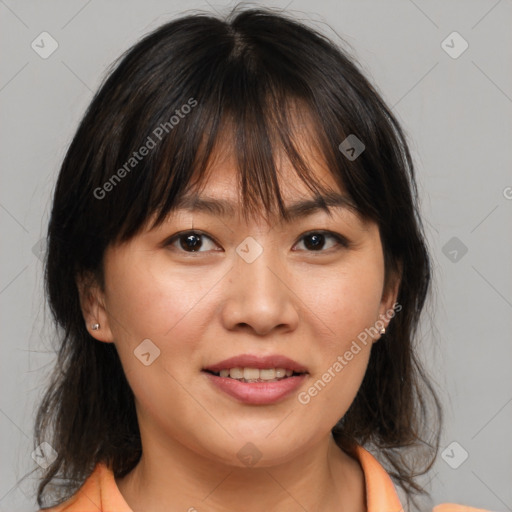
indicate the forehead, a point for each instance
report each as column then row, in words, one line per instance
column 219, row 197
column 221, row 178
column 259, row 177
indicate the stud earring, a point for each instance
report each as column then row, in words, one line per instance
column 95, row 327
column 383, row 330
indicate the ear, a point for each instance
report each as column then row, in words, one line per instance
column 389, row 296
column 92, row 303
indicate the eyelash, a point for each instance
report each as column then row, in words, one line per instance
column 340, row 240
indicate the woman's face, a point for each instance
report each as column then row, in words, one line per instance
column 294, row 296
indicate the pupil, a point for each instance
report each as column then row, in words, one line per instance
column 318, row 241
column 192, row 242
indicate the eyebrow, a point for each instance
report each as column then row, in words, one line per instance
column 299, row 209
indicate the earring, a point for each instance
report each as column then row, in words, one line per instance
column 95, row 327
column 383, row 330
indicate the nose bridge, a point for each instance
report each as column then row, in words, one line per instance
column 257, row 262
column 258, row 295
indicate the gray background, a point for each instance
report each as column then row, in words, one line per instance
column 457, row 112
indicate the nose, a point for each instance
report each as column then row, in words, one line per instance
column 260, row 296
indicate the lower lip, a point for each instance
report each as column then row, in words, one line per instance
column 257, row 393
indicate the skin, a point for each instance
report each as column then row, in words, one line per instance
column 200, row 308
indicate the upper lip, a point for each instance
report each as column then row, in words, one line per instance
column 256, row 361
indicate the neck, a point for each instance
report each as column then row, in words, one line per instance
column 176, row 478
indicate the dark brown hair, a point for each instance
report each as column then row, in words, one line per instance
column 181, row 88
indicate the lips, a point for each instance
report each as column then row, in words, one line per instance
column 289, row 376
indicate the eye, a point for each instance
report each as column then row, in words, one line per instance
column 191, row 241
column 315, row 241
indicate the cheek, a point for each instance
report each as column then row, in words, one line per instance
column 156, row 312
column 344, row 307
column 342, row 354
column 346, row 302
column 151, row 302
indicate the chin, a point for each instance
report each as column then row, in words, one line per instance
column 257, row 451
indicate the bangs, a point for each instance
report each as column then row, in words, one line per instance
column 260, row 125
column 181, row 103
column 259, row 136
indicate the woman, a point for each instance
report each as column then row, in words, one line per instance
column 238, row 267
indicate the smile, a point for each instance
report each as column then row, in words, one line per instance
column 256, row 374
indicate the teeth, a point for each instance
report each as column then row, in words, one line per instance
column 267, row 374
column 236, row 373
column 251, row 373
column 255, row 374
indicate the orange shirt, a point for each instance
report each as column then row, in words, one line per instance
column 99, row 493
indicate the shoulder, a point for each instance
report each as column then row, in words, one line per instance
column 98, row 493
column 453, row 507
column 381, row 493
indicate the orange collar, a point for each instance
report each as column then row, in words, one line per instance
column 380, row 490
